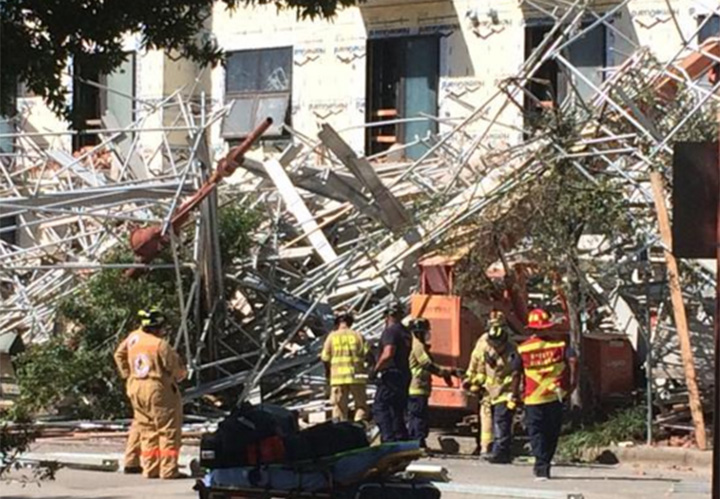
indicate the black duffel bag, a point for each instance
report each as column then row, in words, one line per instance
column 238, row 439
column 325, row 440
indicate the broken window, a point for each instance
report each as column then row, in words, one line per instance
column 402, row 83
column 258, row 83
column 95, row 94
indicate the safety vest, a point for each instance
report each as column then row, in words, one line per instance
column 544, row 365
column 420, row 363
column 346, row 350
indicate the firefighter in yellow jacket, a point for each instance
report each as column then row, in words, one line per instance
column 422, row 367
column 488, row 360
column 501, row 369
column 345, row 354
column 153, row 370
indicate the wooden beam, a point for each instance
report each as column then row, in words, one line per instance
column 297, row 207
column 679, row 311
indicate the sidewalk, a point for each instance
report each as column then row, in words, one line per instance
column 470, row 477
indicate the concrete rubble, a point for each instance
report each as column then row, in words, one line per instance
column 343, row 231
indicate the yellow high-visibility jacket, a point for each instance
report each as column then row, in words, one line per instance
column 346, row 350
column 421, row 368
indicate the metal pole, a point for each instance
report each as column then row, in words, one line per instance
column 716, row 325
column 648, row 356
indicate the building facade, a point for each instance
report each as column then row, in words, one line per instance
column 419, row 68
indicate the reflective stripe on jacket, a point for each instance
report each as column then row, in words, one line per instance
column 475, row 373
column 492, row 370
column 420, row 365
column 544, row 366
column 345, row 350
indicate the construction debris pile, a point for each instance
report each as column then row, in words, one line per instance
column 343, row 231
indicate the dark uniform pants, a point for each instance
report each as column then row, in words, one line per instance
column 418, row 416
column 544, row 422
column 390, row 405
column 502, row 431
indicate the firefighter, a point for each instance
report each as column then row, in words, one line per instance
column 421, row 367
column 501, row 368
column 475, row 383
column 550, row 376
column 392, row 374
column 154, row 369
column 344, row 355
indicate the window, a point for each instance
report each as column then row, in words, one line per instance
column 402, row 82
column 95, row 95
column 550, row 84
column 710, row 28
column 258, row 83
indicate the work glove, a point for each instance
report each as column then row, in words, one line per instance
column 447, row 376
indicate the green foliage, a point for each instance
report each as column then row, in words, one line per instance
column 16, row 435
column 75, row 373
column 39, row 38
column 106, row 306
column 625, row 425
column 236, row 225
column 81, row 383
column 567, row 205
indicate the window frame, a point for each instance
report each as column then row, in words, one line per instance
column 259, row 95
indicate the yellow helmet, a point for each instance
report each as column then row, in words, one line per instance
column 497, row 333
column 151, row 318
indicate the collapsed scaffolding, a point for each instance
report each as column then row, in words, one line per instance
column 343, row 231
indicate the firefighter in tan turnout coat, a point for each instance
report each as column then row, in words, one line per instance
column 153, row 370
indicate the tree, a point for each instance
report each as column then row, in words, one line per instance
column 39, row 37
column 74, row 372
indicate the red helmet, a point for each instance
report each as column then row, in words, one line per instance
column 539, row 319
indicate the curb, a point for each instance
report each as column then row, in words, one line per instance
column 513, row 492
column 662, row 455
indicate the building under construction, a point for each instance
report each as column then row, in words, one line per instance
column 404, row 137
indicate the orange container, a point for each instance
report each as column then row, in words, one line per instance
column 454, row 333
